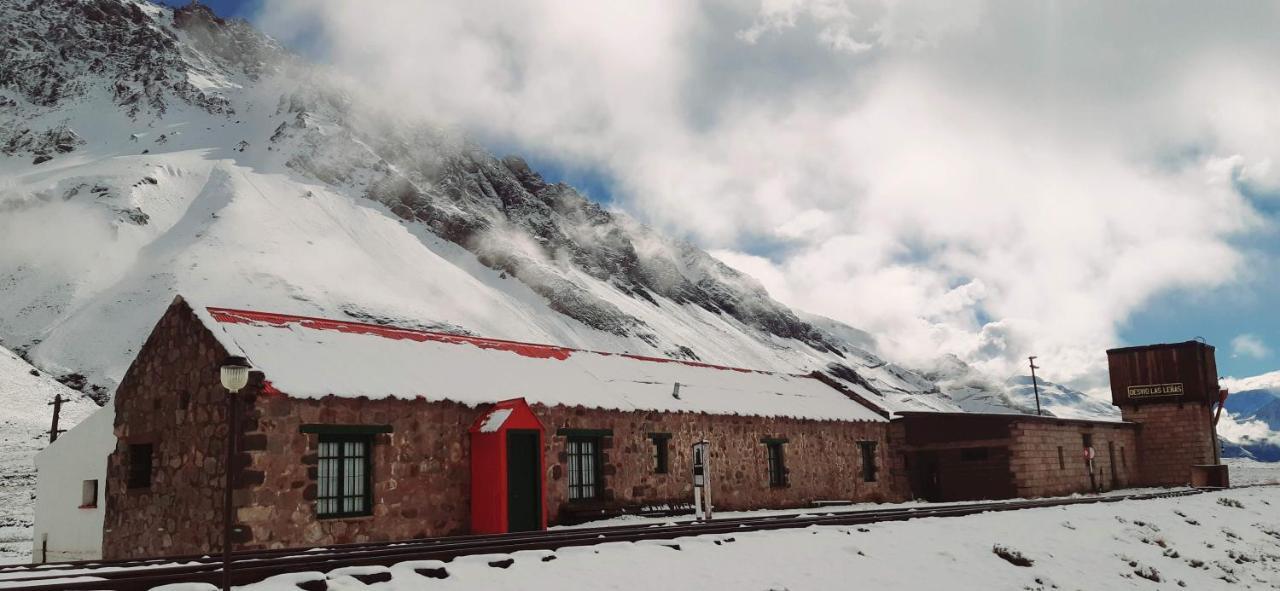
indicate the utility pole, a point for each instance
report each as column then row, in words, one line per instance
column 1034, row 384
column 57, row 409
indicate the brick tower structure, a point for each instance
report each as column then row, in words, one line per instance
column 1170, row 391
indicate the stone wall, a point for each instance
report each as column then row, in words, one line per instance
column 822, row 458
column 170, row 398
column 1037, row 471
column 422, row 481
column 1173, row 437
column 420, row 471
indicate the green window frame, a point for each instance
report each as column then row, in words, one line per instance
column 585, row 480
column 344, row 479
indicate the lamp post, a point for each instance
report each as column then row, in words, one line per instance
column 234, row 375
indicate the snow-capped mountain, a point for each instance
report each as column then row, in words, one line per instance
column 1251, row 421
column 148, row 151
column 975, row 391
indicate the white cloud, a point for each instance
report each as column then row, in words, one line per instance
column 993, row 181
column 1249, row 345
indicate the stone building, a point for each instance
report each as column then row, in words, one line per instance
column 353, row 432
column 965, row 456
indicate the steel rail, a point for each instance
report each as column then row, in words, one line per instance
column 253, row 566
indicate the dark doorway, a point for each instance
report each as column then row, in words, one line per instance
column 925, row 477
column 524, row 490
column 1115, row 474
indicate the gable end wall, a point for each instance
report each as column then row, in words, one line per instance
column 181, row 512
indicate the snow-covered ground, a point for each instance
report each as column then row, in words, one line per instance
column 1246, row 472
column 1221, row 540
column 24, row 422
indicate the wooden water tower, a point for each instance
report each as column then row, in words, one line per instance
column 1170, row 390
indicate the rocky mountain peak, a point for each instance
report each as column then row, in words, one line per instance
column 174, row 115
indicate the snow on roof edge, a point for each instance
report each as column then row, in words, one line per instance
column 217, row 315
column 215, row 318
column 220, row 335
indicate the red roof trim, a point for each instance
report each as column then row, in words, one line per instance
column 541, row 351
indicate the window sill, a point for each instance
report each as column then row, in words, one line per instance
column 356, row 517
column 87, row 507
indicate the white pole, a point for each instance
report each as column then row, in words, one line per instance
column 697, row 502
column 708, row 517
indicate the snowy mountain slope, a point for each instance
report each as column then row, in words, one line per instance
column 24, row 424
column 975, row 391
column 149, row 152
column 1252, row 418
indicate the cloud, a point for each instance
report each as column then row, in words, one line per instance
column 990, row 180
column 1248, row 345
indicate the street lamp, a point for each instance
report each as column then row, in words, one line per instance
column 234, row 375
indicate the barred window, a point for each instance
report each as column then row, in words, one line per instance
column 343, row 480
column 777, row 463
column 584, row 468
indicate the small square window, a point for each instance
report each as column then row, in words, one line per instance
column 140, row 457
column 89, row 494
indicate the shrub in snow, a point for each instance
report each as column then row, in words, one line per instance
column 1230, row 502
column 1148, row 573
column 1011, row 556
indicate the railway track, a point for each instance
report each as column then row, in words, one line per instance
column 256, row 565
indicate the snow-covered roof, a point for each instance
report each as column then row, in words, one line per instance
column 312, row 357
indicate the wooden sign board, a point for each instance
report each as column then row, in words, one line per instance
column 1156, row 390
column 1164, row 373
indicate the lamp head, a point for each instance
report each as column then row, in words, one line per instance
column 234, row 373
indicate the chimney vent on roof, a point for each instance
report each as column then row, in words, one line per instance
column 675, row 392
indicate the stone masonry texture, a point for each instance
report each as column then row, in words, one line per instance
column 171, row 399
column 1173, row 437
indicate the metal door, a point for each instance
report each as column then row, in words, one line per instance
column 524, row 487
